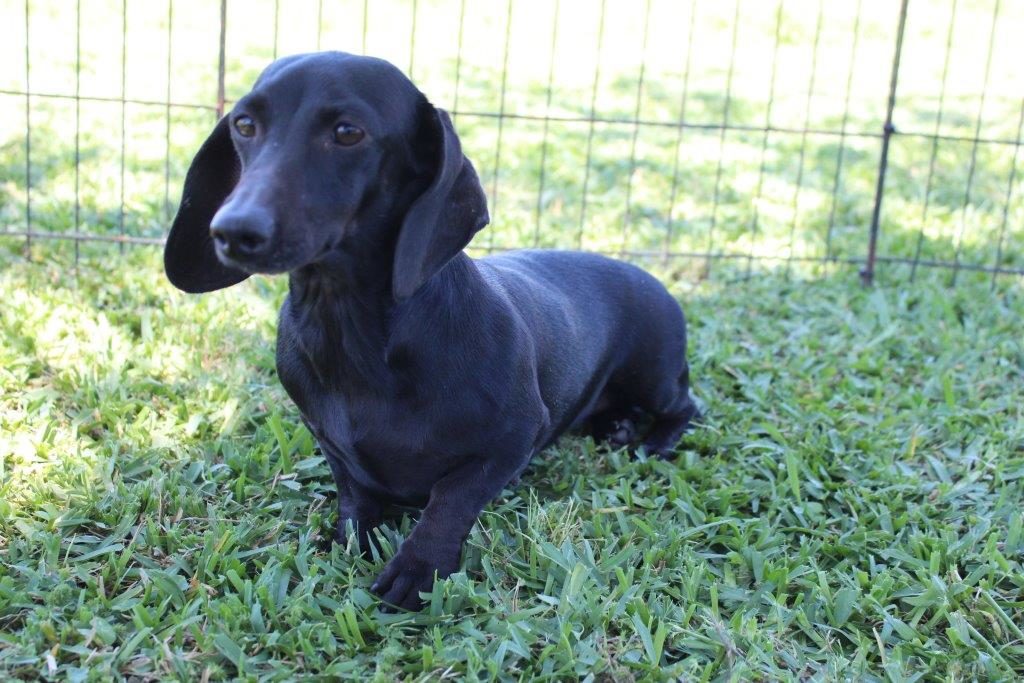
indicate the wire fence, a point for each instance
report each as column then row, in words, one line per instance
column 726, row 136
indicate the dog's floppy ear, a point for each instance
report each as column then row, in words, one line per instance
column 442, row 220
column 190, row 261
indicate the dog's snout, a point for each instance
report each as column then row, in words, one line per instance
column 243, row 234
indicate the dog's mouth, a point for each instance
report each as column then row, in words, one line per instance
column 280, row 259
column 275, row 262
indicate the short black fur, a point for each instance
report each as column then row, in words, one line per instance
column 429, row 379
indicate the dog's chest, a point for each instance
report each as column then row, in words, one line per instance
column 383, row 444
column 398, row 429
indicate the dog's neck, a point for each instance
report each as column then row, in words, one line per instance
column 344, row 323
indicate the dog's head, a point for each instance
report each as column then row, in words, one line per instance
column 329, row 152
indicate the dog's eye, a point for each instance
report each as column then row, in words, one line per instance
column 347, row 134
column 245, row 126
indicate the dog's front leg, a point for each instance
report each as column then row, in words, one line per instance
column 356, row 508
column 435, row 544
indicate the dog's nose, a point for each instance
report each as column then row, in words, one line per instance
column 242, row 233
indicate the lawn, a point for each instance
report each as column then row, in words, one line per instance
column 851, row 509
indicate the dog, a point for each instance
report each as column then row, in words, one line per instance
column 428, row 378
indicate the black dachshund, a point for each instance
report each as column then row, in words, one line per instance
column 429, row 379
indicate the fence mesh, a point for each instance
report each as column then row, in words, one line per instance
column 722, row 136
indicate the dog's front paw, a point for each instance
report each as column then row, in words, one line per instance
column 411, row 572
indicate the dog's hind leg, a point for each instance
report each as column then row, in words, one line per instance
column 673, row 414
column 615, row 426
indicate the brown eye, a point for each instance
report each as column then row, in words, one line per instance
column 347, row 134
column 245, row 126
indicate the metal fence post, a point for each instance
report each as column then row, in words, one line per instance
column 220, row 62
column 867, row 275
column 28, row 137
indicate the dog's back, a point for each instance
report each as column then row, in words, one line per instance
column 608, row 336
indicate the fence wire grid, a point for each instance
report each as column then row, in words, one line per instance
column 726, row 136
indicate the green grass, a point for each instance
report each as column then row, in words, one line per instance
column 851, row 510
